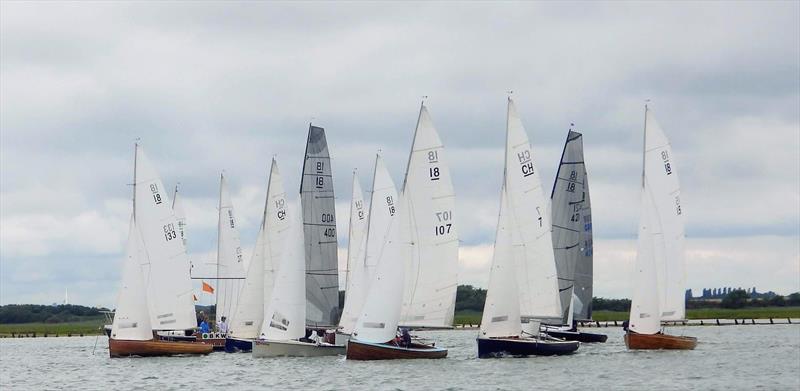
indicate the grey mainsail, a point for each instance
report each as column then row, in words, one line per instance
column 319, row 226
column 572, row 230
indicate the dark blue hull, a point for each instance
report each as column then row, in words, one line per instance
column 522, row 347
column 235, row 345
column 577, row 336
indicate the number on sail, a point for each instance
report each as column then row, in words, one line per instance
column 526, row 164
column 169, row 232
column 390, row 204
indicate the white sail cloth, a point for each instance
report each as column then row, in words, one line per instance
column 501, row 317
column 166, row 267
column 285, row 316
column 132, row 315
column 660, row 264
column 530, row 221
column 429, row 232
column 356, row 246
column 380, row 313
column 254, row 297
column 230, row 266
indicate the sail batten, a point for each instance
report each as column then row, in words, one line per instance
column 319, row 224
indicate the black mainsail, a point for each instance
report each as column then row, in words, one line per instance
column 319, row 226
column 572, row 231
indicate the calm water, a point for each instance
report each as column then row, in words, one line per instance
column 727, row 358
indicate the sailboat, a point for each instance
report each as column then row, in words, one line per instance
column 522, row 285
column 572, row 242
column 375, row 333
column 319, row 225
column 254, row 296
column 230, row 269
column 156, row 292
column 659, row 275
column 283, row 328
column 429, row 232
column 356, row 275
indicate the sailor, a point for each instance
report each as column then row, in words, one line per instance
column 222, row 326
column 204, row 328
column 316, row 337
column 406, row 337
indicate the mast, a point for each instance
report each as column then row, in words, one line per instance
column 135, row 156
column 644, row 142
column 350, row 238
column 411, row 150
column 219, row 238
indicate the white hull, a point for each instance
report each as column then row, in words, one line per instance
column 269, row 348
column 341, row 339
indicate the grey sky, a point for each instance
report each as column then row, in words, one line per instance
column 211, row 86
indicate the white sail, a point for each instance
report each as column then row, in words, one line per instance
column 536, row 269
column 501, row 316
column 645, row 313
column 285, row 316
column 230, row 268
column 380, row 312
column 180, row 215
column 254, row 297
column 430, row 232
column 355, row 252
column 132, row 316
column 167, row 268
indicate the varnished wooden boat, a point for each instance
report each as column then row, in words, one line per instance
column 523, row 347
column 216, row 340
column 127, row 348
column 659, row 341
column 359, row 350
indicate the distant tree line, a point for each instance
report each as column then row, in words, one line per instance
column 32, row 313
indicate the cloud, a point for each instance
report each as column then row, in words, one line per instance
column 213, row 86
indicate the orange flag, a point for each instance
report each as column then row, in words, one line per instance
column 207, row 288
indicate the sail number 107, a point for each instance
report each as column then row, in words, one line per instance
column 445, row 218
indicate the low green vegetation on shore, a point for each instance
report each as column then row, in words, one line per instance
column 91, row 326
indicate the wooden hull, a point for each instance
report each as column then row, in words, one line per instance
column 659, row 341
column 358, row 350
column 214, row 339
column 269, row 348
column 523, row 347
column 577, row 336
column 127, row 348
column 236, row 345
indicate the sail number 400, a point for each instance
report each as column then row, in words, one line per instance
column 443, row 217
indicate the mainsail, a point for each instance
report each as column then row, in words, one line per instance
column 572, row 231
column 132, row 316
column 285, row 316
column 319, row 222
column 254, row 297
column 230, row 268
column 382, row 211
column 501, row 316
column 531, row 230
column 663, row 220
column 380, row 313
column 429, row 232
column 166, row 266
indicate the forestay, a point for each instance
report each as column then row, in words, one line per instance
column 258, row 284
column 167, row 266
column 180, row 215
column 230, row 268
column 132, row 316
column 319, row 219
column 381, row 310
column 429, row 232
column 663, row 189
column 530, row 221
column 285, row 316
column 501, row 310
column 572, row 231
column 355, row 254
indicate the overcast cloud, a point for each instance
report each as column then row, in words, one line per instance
column 211, row 86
